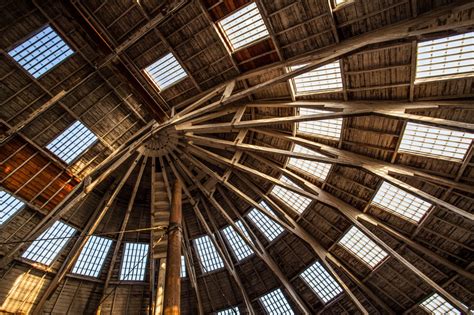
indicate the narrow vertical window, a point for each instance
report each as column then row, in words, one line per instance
column 439, row 58
column 72, row 142
column 208, row 255
column 165, row 71
column 229, row 311
column 321, row 282
column 92, row 256
column 275, row 303
column 330, row 128
column 435, row 142
column 41, row 52
column 436, row 304
column 267, row 226
column 363, row 247
column 9, row 205
column 238, row 245
column 48, row 245
column 398, row 201
column 134, row 262
column 323, row 79
column 244, row 27
column 295, row 201
column 183, row 267
column 318, row 169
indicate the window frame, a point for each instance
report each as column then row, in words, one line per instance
column 122, row 261
column 273, row 299
column 85, row 149
column 356, row 254
column 30, row 36
column 173, row 83
column 210, row 244
column 17, row 211
column 94, row 258
column 243, row 248
column 315, row 76
column 225, row 37
column 325, row 278
column 269, row 222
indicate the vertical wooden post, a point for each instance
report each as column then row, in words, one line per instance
column 173, row 260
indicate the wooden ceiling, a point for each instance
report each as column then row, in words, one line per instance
column 103, row 86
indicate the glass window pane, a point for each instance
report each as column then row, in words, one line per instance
column 244, row 26
column 318, row 169
column 41, row 52
column 48, row 245
column 9, row 205
column 324, row 78
column 165, row 71
column 321, row 282
column 275, row 303
column 72, row 142
column 92, row 256
column 436, row 304
column 210, row 258
column 238, row 245
column 266, row 225
column 295, row 201
column 134, row 262
column 327, row 127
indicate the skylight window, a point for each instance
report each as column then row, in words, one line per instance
column 210, row 259
column 321, row 282
column 323, row 79
column 436, row 142
column 92, row 256
column 267, row 226
column 327, row 127
column 446, row 56
column 230, row 311
column 363, row 247
column 275, row 303
column 436, row 304
column 48, row 245
column 9, row 205
column 318, row 169
column 244, row 27
column 400, row 202
column 134, row 262
column 72, row 142
column 165, row 71
column 295, row 201
column 240, row 248
column 183, row 267
column 41, row 52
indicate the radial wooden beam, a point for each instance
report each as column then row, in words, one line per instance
column 286, row 222
column 228, row 264
column 123, row 227
column 86, row 233
column 323, row 56
column 254, row 243
column 352, row 214
column 265, row 122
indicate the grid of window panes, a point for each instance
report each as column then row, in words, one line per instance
column 244, row 27
column 165, row 71
column 229, row 311
column 321, row 282
column 207, row 252
column 72, row 142
column 266, row 225
column 9, row 205
column 394, row 199
column 296, row 201
column 275, row 303
column 445, row 56
column 327, row 127
column 238, row 245
column 92, row 256
column 41, row 52
column 318, row 169
column 436, row 142
column 436, row 304
column 363, row 247
column 325, row 78
column 134, row 262
column 48, row 245
column 183, row 267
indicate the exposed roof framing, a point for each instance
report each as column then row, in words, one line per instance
column 371, row 216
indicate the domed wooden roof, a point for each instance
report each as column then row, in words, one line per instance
column 324, row 147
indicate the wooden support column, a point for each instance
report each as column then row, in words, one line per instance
column 173, row 260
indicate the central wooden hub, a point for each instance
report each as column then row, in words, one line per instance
column 161, row 143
